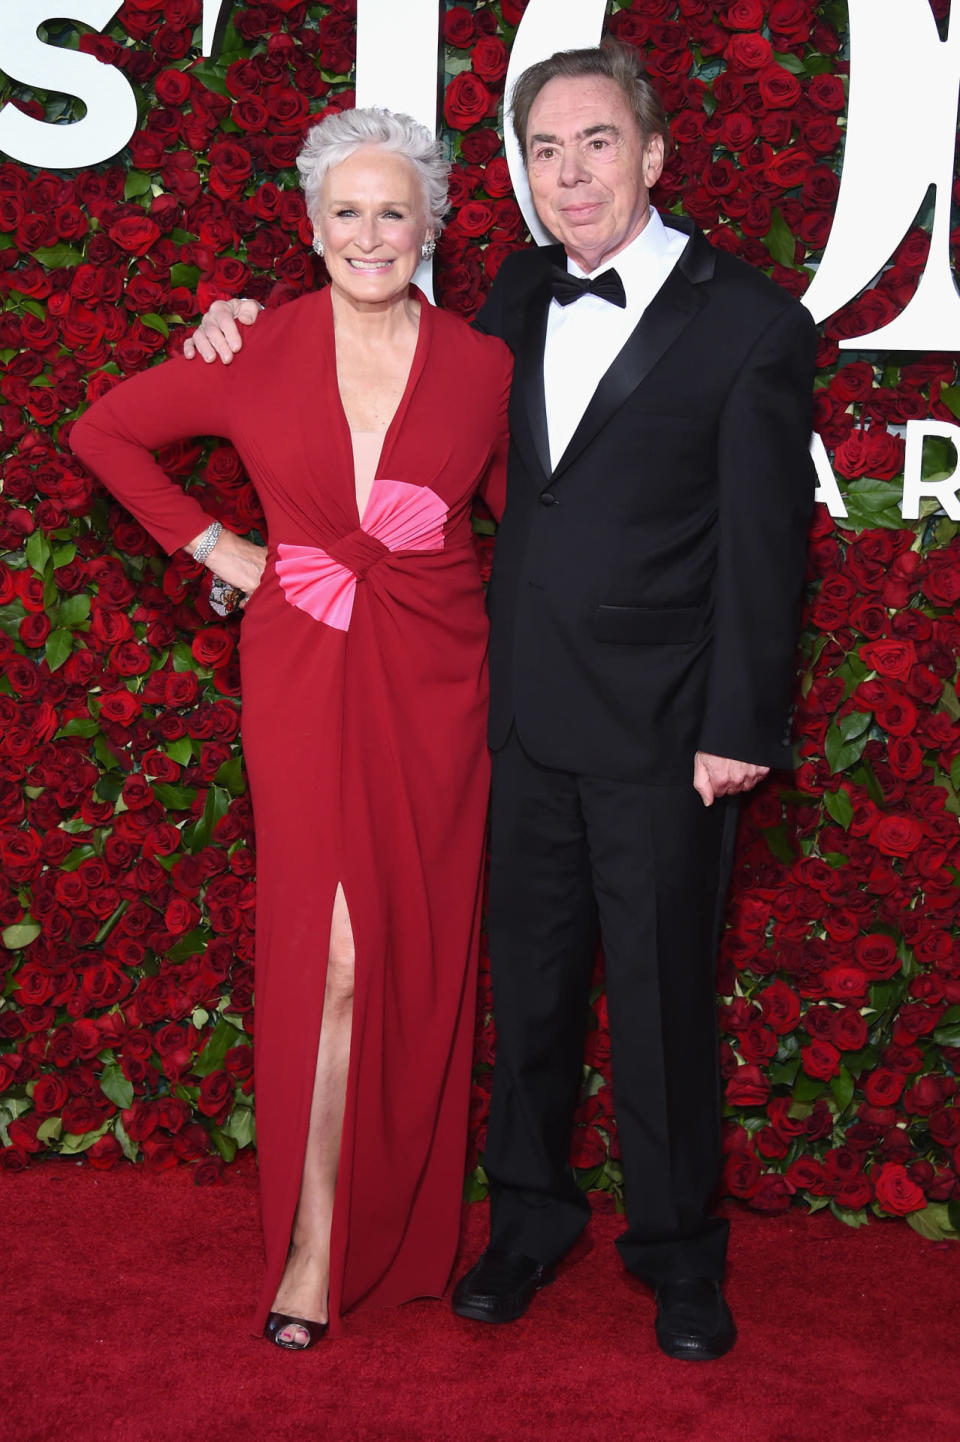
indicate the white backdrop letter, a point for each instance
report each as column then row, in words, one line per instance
column 111, row 116
column 915, row 488
column 901, row 138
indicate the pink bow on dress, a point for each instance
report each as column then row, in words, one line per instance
column 397, row 517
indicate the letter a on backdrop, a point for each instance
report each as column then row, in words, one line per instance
column 901, row 138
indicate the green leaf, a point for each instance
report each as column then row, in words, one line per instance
column 57, row 648
column 947, row 1036
column 840, row 753
column 180, row 750
column 780, row 844
column 780, row 241
column 50, row 1130
column 231, row 775
column 190, row 944
column 211, row 1058
column 939, row 458
column 80, row 726
column 854, row 724
column 181, row 274
column 792, row 63
column 840, row 807
column 182, row 658
column 110, row 923
column 73, row 1145
column 197, row 836
column 63, row 555
column 226, row 1146
column 174, row 798
column 136, row 184
column 115, row 1085
column 929, row 1222
column 842, row 1087
column 130, row 1148
column 38, row 552
column 240, row 1125
column 55, row 257
column 950, row 702
column 849, row 1218
column 73, row 611
column 476, row 1187
column 20, row 934
column 953, row 1215
column 807, row 1088
column 155, row 322
column 950, row 395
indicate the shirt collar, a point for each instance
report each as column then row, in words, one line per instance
column 633, row 264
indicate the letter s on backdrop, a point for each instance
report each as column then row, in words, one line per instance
column 111, row 116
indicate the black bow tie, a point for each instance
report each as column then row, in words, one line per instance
column 568, row 288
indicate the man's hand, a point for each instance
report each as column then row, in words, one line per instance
column 218, row 334
column 715, row 776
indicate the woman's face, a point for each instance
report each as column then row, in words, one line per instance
column 372, row 222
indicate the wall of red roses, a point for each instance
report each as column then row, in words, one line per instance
column 125, row 834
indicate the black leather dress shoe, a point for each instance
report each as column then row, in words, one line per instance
column 693, row 1320
column 500, row 1287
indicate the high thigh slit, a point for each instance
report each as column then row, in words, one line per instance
column 363, row 669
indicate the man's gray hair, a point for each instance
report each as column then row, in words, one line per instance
column 610, row 61
column 335, row 138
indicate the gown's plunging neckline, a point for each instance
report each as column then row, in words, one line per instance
column 367, row 449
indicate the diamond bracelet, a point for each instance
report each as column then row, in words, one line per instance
column 207, row 541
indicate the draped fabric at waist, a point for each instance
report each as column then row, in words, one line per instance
column 399, row 520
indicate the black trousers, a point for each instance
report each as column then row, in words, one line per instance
column 648, row 866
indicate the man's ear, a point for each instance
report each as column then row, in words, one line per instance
column 653, row 156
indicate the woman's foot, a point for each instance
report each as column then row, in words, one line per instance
column 295, row 1334
column 301, row 1298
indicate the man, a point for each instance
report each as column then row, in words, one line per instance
column 643, row 609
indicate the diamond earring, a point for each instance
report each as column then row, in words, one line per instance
column 428, row 247
column 318, row 246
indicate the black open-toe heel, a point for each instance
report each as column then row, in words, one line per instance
column 277, row 1322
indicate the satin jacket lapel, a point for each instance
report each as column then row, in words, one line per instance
column 528, row 409
column 664, row 320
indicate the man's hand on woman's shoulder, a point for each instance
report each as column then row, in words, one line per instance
column 218, row 334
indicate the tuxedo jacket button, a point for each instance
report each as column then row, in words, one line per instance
column 547, row 498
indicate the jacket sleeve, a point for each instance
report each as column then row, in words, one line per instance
column 766, row 489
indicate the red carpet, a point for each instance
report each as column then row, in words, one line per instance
column 126, row 1300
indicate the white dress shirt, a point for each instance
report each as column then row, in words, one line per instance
column 584, row 338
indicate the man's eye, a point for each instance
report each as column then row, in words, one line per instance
column 598, row 143
column 547, row 153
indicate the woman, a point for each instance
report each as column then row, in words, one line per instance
column 366, row 420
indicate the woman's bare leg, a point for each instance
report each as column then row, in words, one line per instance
column 305, row 1284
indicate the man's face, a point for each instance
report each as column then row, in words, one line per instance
column 590, row 170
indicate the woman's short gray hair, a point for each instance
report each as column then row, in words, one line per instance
column 336, row 137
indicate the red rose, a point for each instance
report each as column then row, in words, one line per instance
column 744, row 15
column 213, row 646
column 896, row 1193
column 820, row 1060
column 778, row 88
column 741, row 1173
column 748, row 1087
column 490, row 58
column 105, row 1153
column 883, row 1087
column 747, row 54
column 459, row 26
column 780, row 1006
column 134, row 233
column 467, row 101
column 216, row 1094
column 897, row 835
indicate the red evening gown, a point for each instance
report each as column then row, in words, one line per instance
column 363, row 661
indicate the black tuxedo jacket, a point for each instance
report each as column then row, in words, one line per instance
column 644, row 596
